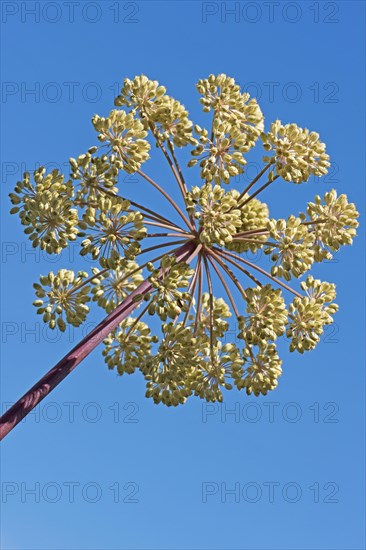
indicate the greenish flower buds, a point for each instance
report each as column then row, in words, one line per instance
column 308, row 315
column 62, row 296
column 298, row 153
column 46, row 209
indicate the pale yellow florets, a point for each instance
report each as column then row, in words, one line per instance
column 266, row 316
column 222, row 95
column 215, row 210
column 339, row 227
column 214, row 370
column 261, row 371
column 253, row 215
column 158, row 111
column 97, row 175
column 125, row 135
column 297, row 153
column 60, row 300
column 219, row 315
column 168, row 371
column 309, row 314
column 222, row 156
column 46, row 209
column 167, row 299
column 111, row 287
column 114, row 228
column 294, row 251
column 128, row 347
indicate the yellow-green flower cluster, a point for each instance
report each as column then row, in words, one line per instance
column 261, row 371
column 61, row 297
column 128, row 347
column 294, row 251
column 46, row 209
column 111, row 287
column 215, row 369
column 215, row 210
column 338, row 223
column 168, row 371
column 220, row 312
column 266, row 317
column 166, row 115
column 167, row 300
column 297, row 153
column 308, row 315
column 141, row 94
column 220, row 156
column 112, row 228
column 253, row 215
column 97, row 175
column 172, row 121
column 221, row 94
column 125, row 135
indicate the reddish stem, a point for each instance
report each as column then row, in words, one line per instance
column 50, row 380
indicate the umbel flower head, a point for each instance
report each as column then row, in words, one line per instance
column 260, row 372
column 167, row 371
column 216, row 211
column 266, row 317
column 310, row 313
column 112, row 286
column 128, row 346
column 186, row 263
column 297, row 153
column 168, row 300
column 292, row 253
column 125, row 134
column 253, row 215
column 97, row 175
column 62, row 298
column 112, row 227
column 46, row 209
column 222, row 95
column 165, row 116
column 333, row 223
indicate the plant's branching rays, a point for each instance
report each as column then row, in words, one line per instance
column 210, row 290
column 253, row 182
column 170, row 162
column 258, row 191
column 258, row 243
column 171, row 149
column 163, row 245
column 192, row 288
column 155, row 235
column 167, row 196
column 199, row 299
column 138, row 318
column 224, row 284
column 157, row 223
column 162, row 191
column 153, row 215
column 232, row 276
column 257, row 268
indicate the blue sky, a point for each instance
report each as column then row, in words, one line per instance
column 108, row 469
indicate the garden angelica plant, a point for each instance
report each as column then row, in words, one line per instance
column 192, row 274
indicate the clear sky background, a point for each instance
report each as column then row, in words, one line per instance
column 111, row 470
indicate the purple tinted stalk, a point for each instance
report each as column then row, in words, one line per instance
column 45, row 385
